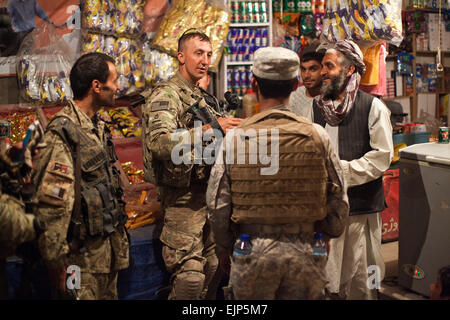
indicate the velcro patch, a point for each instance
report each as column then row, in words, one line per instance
column 159, row 106
column 56, row 191
column 60, row 169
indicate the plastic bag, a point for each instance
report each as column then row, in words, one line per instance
column 430, row 121
column 158, row 66
column 43, row 65
column 363, row 20
column 210, row 16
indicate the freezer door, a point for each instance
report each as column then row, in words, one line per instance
column 424, row 223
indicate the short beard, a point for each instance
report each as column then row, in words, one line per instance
column 337, row 85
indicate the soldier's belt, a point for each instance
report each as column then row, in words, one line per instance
column 277, row 229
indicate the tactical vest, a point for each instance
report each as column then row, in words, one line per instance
column 101, row 206
column 354, row 143
column 297, row 193
column 166, row 173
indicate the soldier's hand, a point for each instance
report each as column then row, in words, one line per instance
column 229, row 123
column 57, row 278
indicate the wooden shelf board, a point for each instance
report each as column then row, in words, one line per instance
column 249, row 25
column 429, row 10
column 239, row 63
column 431, row 53
column 396, row 98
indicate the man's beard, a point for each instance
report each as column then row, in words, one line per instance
column 336, row 86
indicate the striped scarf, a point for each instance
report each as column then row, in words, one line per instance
column 334, row 115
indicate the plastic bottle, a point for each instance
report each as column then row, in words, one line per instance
column 243, row 246
column 319, row 247
column 249, row 103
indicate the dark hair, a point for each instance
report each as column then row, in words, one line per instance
column 189, row 34
column 274, row 89
column 444, row 275
column 312, row 55
column 88, row 67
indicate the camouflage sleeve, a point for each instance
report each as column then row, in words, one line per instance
column 218, row 200
column 54, row 180
column 337, row 201
column 17, row 227
column 161, row 116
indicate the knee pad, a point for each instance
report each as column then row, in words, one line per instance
column 188, row 285
column 210, row 268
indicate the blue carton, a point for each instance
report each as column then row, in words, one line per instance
column 411, row 138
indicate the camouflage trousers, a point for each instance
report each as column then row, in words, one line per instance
column 98, row 286
column 186, row 253
column 280, row 267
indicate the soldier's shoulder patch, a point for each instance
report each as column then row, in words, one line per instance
column 159, row 106
column 56, row 183
column 60, row 169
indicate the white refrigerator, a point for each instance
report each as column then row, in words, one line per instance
column 424, row 214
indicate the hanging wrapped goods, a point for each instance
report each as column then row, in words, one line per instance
column 43, row 65
column 128, row 57
column 210, row 16
column 157, row 65
column 120, row 17
column 368, row 20
column 121, row 122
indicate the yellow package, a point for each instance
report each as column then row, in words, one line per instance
column 207, row 15
column 372, row 62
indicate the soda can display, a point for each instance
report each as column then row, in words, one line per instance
column 243, row 79
column 256, row 12
column 237, row 81
column 246, row 56
column 443, row 135
column 258, row 37
column 239, row 36
column 251, row 12
column 233, row 55
column 263, row 12
column 243, row 12
column 264, row 38
column 240, row 55
column 230, row 5
column 251, row 34
column 245, row 34
column 234, row 11
column 229, row 78
column 249, row 76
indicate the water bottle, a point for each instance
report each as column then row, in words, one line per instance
column 319, row 247
column 243, row 247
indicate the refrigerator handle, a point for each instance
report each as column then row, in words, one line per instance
column 437, row 160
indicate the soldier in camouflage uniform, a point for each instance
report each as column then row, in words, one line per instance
column 188, row 249
column 16, row 226
column 281, row 209
column 79, row 192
